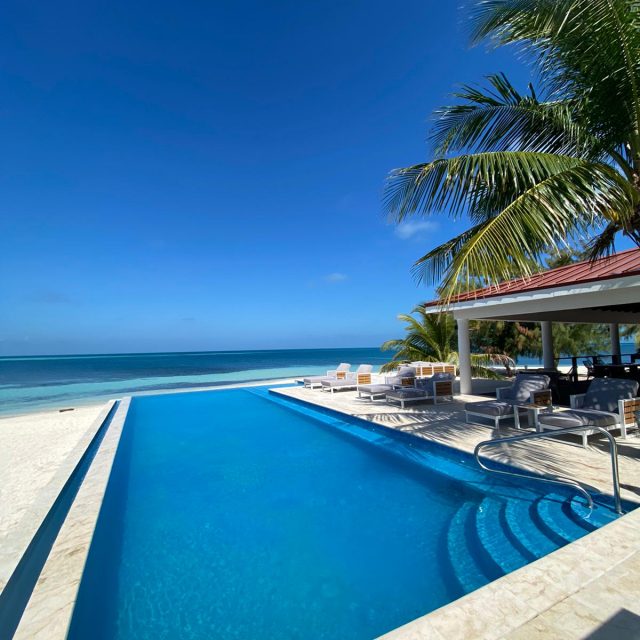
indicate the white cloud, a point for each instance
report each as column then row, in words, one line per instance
column 335, row 277
column 413, row 229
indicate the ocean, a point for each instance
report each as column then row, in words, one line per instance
column 43, row 382
column 626, row 348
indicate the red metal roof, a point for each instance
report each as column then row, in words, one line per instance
column 625, row 263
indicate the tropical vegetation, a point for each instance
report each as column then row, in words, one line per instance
column 541, row 169
column 432, row 337
column 496, row 345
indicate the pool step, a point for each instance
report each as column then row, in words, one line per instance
column 603, row 511
column 468, row 573
column 533, row 540
column 553, row 515
column 506, row 531
column 490, row 522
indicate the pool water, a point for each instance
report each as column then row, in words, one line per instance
column 234, row 514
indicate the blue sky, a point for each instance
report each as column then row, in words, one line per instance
column 207, row 175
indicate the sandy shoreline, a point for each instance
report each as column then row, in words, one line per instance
column 38, row 451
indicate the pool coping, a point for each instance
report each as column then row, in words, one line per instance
column 31, row 521
column 50, row 607
column 496, row 610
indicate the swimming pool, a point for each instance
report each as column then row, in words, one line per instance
column 237, row 514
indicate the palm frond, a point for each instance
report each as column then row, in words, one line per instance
column 585, row 49
column 604, row 243
column 459, row 185
column 431, row 337
column 521, row 203
column 501, row 119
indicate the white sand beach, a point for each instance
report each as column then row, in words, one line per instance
column 38, row 451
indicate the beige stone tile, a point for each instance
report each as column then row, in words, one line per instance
column 421, row 629
column 571, row 619
column 49, row 610
column 538, row 629
column 38, row 453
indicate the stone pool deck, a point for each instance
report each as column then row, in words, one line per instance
column 588, row 589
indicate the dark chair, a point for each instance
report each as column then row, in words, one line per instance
column 588, row 363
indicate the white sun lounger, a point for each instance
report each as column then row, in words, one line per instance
column 404, row 376
column 362, row 375
column 311, row 382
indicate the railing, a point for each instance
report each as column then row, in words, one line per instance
column 613, row 450
column 599, row 360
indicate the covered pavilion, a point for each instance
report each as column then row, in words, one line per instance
column 604, row 291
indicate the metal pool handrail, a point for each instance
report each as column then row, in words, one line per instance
column 613, row 450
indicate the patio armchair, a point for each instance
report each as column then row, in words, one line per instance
column 311, row 382
column 361, row 376
column 609, row 403
column 507, row 398
column 589, row 365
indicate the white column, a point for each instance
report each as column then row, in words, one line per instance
column 547, row 345
column 464, row 355
column 614, row 332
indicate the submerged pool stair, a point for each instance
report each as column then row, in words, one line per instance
column 495, row 536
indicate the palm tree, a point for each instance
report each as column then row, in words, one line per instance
column 538, row 170
column 431, row 338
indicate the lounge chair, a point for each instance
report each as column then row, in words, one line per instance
column 361, row 376
column 407, row 394
column 609, row 403
column 438, row 385
column 312, row 382
column 507, row 398
column 405, row 376
column 373, row 391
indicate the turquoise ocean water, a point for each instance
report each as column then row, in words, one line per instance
column 41, row 382
column 626, row 348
